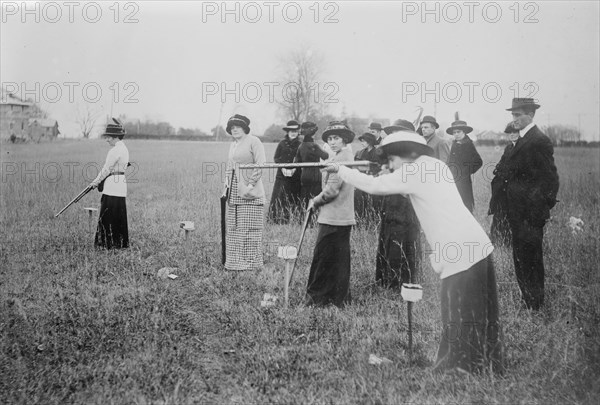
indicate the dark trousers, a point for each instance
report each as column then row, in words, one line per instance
column 529, row 262
column 471, row 338
column 329, row 278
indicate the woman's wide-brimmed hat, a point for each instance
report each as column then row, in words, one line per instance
column 114, row 129
column 462, row 125
column 240, row 121
column 292, row 125
column 525, row 103
column 431, row 120
column 403, row 143
column 399, row 125
column 368, row 138
column 340, row 129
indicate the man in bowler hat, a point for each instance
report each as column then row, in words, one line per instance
column 376, row 129
column 531, row 188
column 440, row 146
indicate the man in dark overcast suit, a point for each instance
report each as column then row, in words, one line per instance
column 531, row 188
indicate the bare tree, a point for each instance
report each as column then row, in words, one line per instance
column 86, row 118
column 299, row 96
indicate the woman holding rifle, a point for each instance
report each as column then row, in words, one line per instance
column 112, row 231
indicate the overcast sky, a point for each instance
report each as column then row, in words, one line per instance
column 381, row 59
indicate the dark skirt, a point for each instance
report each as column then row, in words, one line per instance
column 285, row 200
column 472, row 337
column 309, row 191
column 112, row 231
column 329, row 278
column 397, row 253
column 364, row 206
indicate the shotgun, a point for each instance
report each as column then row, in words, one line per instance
column 74, row 200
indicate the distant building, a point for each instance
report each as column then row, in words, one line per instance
column 14, row 116
column 42, row 129
column 22, row 120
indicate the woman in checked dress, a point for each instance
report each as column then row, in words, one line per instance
column 245, row 204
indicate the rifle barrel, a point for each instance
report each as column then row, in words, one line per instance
column 308, row 164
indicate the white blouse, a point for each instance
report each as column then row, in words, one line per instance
column 116, row 161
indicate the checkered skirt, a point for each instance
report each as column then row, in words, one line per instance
column 244, row 237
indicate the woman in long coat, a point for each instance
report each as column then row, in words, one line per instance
column 285, row 198
column 246, row 198
column 309, row 152
column 399, row 245
column 364, row 206
column 500, row 230
column 112, row 231
column 463, row 161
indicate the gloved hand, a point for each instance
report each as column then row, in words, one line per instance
column 288, row 172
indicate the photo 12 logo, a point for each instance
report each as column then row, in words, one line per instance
column 53, row 172
column 71, row 92
column 270, row 11
column 470, row 11
column 471, row 92
column 72, row 11
column 253, row 92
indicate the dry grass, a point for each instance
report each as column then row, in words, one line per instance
column 82, row 326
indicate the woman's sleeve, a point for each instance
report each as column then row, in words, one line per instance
column 111, row 159
column 278, row 153
column 259, row 158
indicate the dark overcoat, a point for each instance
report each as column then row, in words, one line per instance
column 463, row 162
column 531, row 178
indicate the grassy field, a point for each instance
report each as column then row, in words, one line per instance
column 84, row 326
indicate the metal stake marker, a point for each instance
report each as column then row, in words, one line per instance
column 289, row 254
column 90, row 211
column 187, row 226
column 410, row 293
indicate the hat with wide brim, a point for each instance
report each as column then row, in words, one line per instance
column 368, row 138
column 404, row 143
column 431, row 120
column 462, row 125
column 292, row 125
column 239, row 121
column 525, row 103
column 340, row 129
column 399, row 125
column 114, row 129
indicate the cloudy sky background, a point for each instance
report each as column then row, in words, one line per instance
column 376, row 54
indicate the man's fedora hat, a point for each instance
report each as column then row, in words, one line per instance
column 526, row 103
column 240, row 121
column 340, row 129
column 403, row 143
column 399, row 125
column 462, row 125
column 292, row 125
column 375, row 125
column 431, row 120
column 368, row 138
column 114, row 129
